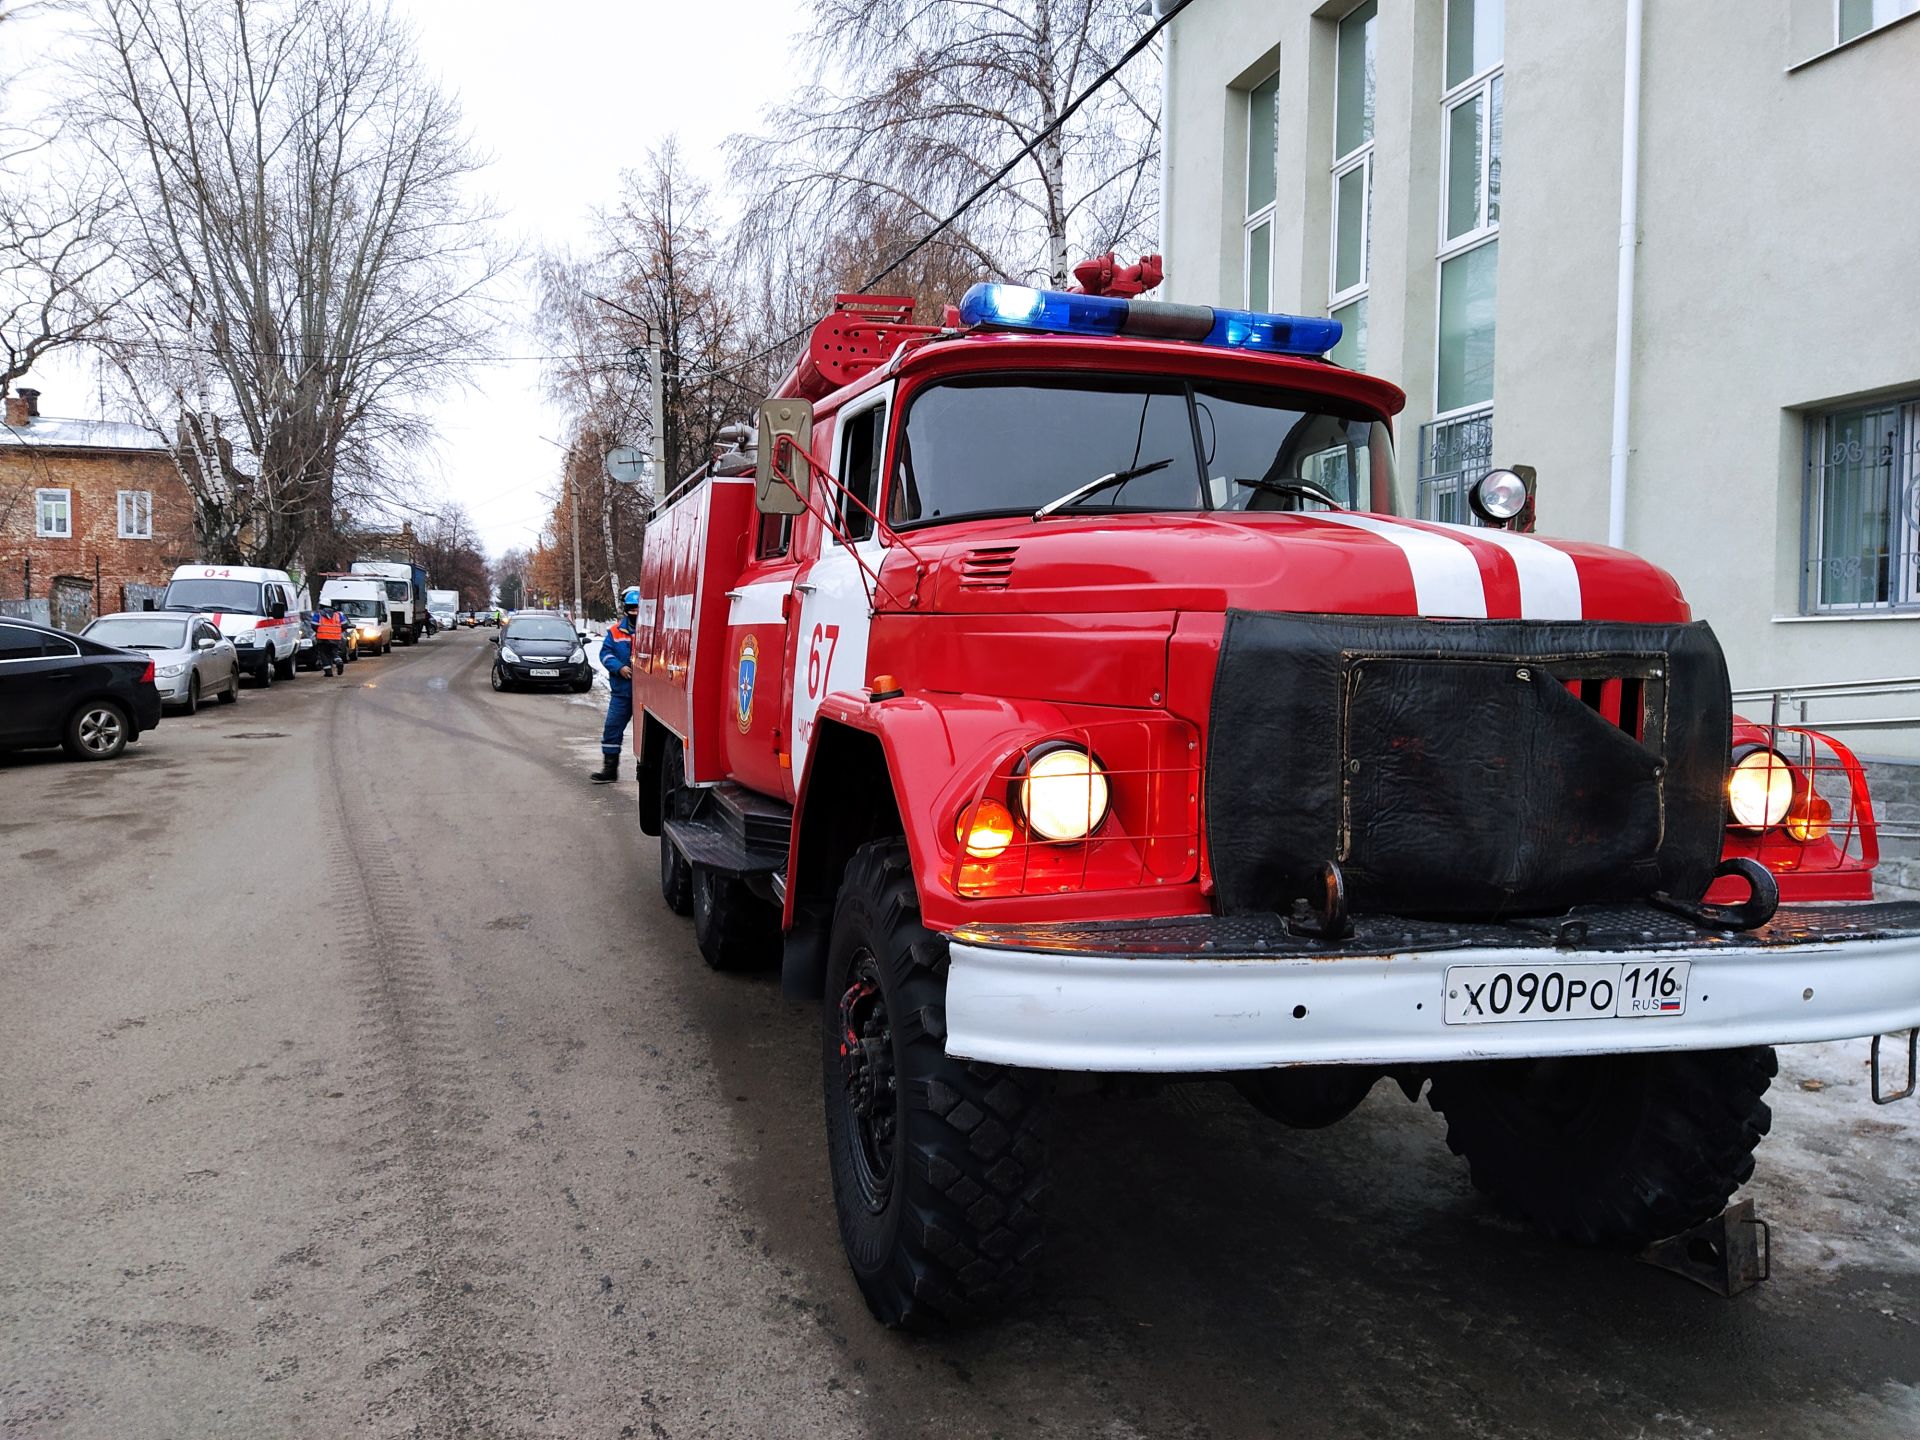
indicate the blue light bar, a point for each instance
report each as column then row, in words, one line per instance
column 1021, row 307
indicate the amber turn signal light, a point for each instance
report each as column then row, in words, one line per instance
column 1812, row 821
column 984, row 830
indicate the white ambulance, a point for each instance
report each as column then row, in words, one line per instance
column 257, row 609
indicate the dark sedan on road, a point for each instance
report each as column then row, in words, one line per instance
column 541, row 650
column 61, row 689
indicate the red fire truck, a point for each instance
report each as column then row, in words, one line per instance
column 1065, row 690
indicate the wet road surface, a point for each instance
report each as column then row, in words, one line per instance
column 354, row 1079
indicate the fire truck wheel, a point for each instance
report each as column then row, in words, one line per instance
column 735, row 928
column 676, row 876
column 939, row 1164
column 1613, row 1151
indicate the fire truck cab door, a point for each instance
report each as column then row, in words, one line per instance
column 835, row 610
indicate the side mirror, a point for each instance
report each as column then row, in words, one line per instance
column 204, row 643
column 146, row 604
column 786, row 436
column 277, row 610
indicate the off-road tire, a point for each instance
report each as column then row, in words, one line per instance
column 1613, row 1151
column 676, row 875
column 952, row 1231
column 735, row 928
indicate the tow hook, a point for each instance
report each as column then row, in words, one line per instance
column 1763, row 898
column 1882, row 1096
column 1324, row 918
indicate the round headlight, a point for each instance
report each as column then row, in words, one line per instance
column 1499, row 495
column 1063, row 793
column 1760, row 789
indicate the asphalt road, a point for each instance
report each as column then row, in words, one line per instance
column 353, row 1079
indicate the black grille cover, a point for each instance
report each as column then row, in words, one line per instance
column 1449, row 770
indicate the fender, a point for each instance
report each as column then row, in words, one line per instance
column 937, row 748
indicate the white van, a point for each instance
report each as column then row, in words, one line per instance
column 259, row 610
column 362, row 603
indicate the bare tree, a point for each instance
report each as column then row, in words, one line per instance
column 935, row 98
column 310, row 267
column 667, row 275
column 597, row 370
column 54, row 258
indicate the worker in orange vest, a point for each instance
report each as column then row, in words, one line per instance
column 329, row 637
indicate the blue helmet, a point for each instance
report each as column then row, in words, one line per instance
column 631, row 597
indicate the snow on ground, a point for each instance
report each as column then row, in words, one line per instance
column 1839, row 1174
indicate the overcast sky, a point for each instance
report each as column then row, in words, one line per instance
column 563, row 94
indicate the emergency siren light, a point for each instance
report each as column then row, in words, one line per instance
column 1062, row 312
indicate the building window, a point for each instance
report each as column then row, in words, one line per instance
column 136, row 514
column 53, row 514
column 1854, row 18
column 1263, row 144
column 1862, row 531
column 1459, row 446
column 1353, row 96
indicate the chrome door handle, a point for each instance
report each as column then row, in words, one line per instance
column 734, row 594
column 804, row 588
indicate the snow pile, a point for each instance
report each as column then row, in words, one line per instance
column 1840, row 1174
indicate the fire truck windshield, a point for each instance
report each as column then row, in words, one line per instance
column 1010, row 445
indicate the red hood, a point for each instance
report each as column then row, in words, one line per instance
column 1355, row 563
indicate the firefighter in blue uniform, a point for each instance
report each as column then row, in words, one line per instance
column 616, row 653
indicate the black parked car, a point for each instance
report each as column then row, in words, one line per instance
column 541, row 650
column 61, row 689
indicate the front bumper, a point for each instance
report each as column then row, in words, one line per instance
column 521, row 672
column 172, row 689
column 1195, row 994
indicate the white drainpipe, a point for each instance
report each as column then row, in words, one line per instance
column 1166, row 110
column 1623, row 311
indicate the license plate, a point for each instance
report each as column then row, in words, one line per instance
column 1495, row 994
column 544, row 674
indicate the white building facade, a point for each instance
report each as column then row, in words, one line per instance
column 1446, row 178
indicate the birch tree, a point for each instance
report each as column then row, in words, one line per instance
column 311, row 267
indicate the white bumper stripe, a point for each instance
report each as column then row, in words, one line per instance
column 1549, row 581
column 1446, row 577
column 1165, row 1015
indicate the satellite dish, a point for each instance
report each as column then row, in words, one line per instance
column 628, row 465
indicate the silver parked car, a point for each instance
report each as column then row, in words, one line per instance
column 191, row 658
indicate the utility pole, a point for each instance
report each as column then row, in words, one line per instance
column 659, row 415
column 573, row 489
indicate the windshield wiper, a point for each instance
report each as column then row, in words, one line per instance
column 1094, row 487
column 1292, row 487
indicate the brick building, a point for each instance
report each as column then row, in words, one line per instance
column 87, row 509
